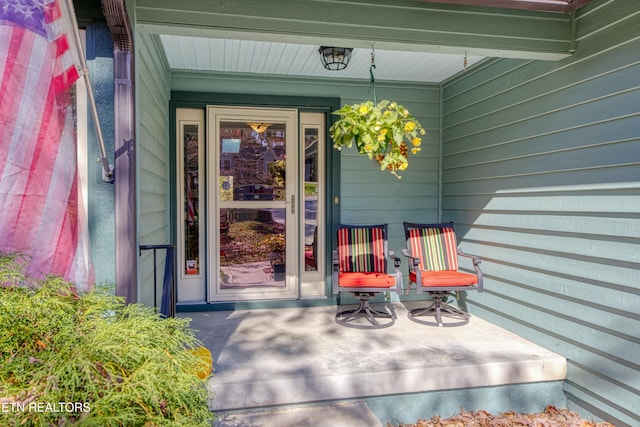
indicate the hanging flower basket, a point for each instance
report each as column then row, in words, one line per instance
column 382, row 131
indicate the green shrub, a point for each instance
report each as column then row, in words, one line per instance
column 69, row 358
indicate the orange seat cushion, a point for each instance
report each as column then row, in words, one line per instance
column 366, row 280
column 444, row 278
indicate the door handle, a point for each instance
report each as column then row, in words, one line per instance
column 293, row 204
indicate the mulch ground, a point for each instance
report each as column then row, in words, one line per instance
column 550, row 417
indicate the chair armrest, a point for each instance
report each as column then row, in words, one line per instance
column 414, row 265
column 334, row 273
column 476, row 259
column 396, row 260
column 398, row 272
column 476, row 266
column 414, row 262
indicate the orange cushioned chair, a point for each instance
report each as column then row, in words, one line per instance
column 360, row 267
column 433, row 266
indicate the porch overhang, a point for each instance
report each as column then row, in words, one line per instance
column 559, row 6
column 409, row 25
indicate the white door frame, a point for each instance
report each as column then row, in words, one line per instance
column 288, row 117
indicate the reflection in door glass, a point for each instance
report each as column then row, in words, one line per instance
column 252, row 162
column 252, row 248
column 191, row 203
column 310, row 198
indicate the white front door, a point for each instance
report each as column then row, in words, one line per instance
column 250, row 204
column 252, row 199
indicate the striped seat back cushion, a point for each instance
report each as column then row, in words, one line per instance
column 435, row 245
column 362, row 248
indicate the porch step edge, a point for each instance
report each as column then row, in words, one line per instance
column 343, row 414
column 297, row 390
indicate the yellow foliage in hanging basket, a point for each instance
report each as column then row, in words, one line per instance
column 382, row 131
column 204, row 367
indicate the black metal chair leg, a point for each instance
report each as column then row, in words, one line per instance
column 365, row 308
column 438, row 309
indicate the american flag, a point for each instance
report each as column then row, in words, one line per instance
column 40, row 212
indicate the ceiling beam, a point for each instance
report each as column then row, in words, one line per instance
column 410, row 25
column 559, row 6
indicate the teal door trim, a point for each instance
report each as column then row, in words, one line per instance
column 185, row 99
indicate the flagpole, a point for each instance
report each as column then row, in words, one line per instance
column 107, row 170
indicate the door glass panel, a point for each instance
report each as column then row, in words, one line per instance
column 191, row 218
column 311, row 190
column 255, row 206
column 252, row 248
column 252, row 163
column 191, row 206
column 312, row 221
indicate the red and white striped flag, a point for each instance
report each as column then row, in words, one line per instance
column 40, row 210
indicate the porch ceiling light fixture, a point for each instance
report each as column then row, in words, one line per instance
column 335, row 58
column 259, row 127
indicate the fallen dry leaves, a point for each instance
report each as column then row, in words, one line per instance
column 550, row 417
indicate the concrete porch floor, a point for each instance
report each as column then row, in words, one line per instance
column 284, row 366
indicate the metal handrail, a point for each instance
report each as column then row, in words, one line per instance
column 168, row 303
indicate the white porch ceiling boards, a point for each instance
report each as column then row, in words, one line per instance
column 262, row 57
